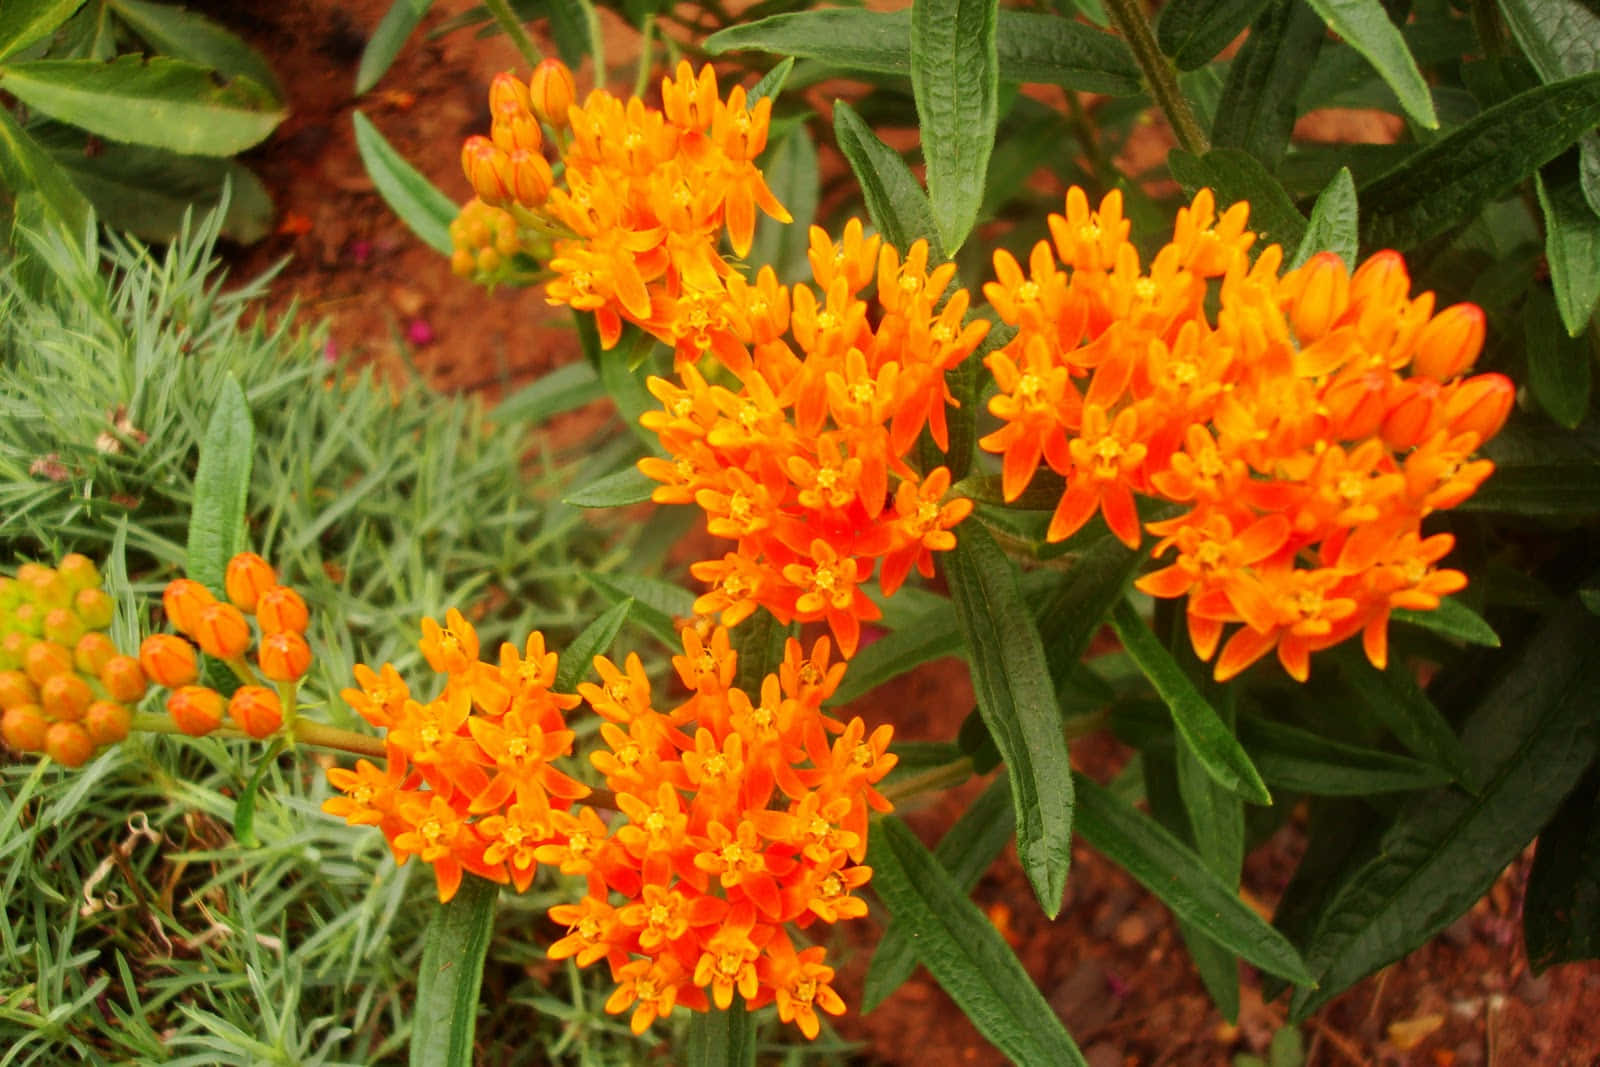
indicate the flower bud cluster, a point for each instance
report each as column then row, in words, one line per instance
column 65, row 688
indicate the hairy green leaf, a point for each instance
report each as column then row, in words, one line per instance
column 445, row 1014
column 22, row 22
column 417, row 201
column 1257, row 109
column 569, row 386
column 1562, row 39
column 656, row 602
column 894, row 199
column 954, row 81
column 1192, row 32
column 1303, row 762
column 576, row 659
column 387, row 40
column 25, row 167
column 1365, row 26
column 1452, row 619
column 1394, row 697
column 221, row 486
column 1233, row 176
column 1571, row 247
column 1561, row 914
column 791, row 172
column 722, row 1037
column 1559, row 366
column 1333, row 225
column 181, row 34
column 627, row 486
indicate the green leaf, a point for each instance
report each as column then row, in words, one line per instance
column 1206, row 736
column 1096, row 583
column 25, row 167
column 1192, row 32
column 1448, row 182
column 416, row 200
column 244, row 809
column 1365, row 26
column 164, row 103
column 1452, row 619
column 895, row 200
column 759, row 642
column 221, row 486
column 1333, row 225
column 954, row 81
column 1233, row 176
column 656, row 602
column 933, row 636
column 387, row 40
column 1393, row 696
column 1558, row 365
column 627, row 486
column 790, row 168
column 771, row 84
column 1018, row 705
column 1174, row 873
column 575, row 661
column 1028, row 47
column 1572, row 248
column 964, row 952
column 965, row 852
column 1561, row 913
column 722, row 1038
column 576, row 29
column 569, row 386
column 1257, row 109
column 22, row 22
column 448, row 979
column 1562, row 39
column 1529, row 740
column 1303, row 762
column 1554, row 490
column 181, row 34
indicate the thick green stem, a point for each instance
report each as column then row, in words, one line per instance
column 304, row 732
column 1129, row 18
column 501, row 10
column 935, row 778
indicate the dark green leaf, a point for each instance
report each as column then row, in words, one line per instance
column 1452, row 619
column 627, row 486
column 1165, row 866
column 622, row 373
column 1017, row 701
column 759, row 642
column 1192, row 32
column 181, row 34
column 25, row 167
column 1561, row 914
column 1058, row 51
column 894, row 198
column 1558, row 365
column 1233, row 176
column 1449, row 181
column 719, row 1038
column 954, row 81
column 1562, row 39
column 791, row 172
column 1394, row 697
column 1333, row 225
column 569, row 386
column 1572, row 248
column 164, row 103
column 656, row 603
column 1096, row 583
column 577, row 658
column 1205, row 735
column 417, row 201
column 387, row 40
column 965, row 852
column 576, row 29
column 964, row 951
column 931, row 637
column 221, row 485
column 1530, row 740
column 244, row 809
column 771, row 83
column 1555, row 490
column 1304, row 762
column 1365, row 26
column 22, row 22
column 448, row 979
column 1257, row 109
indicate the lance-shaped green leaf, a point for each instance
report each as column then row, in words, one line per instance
column 1204, row 733
column 445, row 1014
column 181, row 34
column 569, row 386
column 1017, row 701
column 758, row 641
column 1304, row 762
column 932, row 637
column 576, row 28
column 417, row 201
column 1561, row 915
column 656, row 602
column 1257, row 109
column 1559, row 366
column 1192, row 32
column 791, row 172
column 1333, row 225
column 1571, row 247
column 957, row 90
column 722, row 1038
column 895, row 200
column 1174, row 873
column 964, row 952
column 627, row 486
column 1233, row 176
column 25, row 167
column 1452, row 619
column 1529, row 741
column 221, row 486
column 771, row 84
column 965, row 852
column 1365, row 26
column 387, row 40
column 164, row 103
column 575, row 661
column 1393, row 696
column 22, row 22
column 1561, row 38
column 1096, row 583
column 1447, row 183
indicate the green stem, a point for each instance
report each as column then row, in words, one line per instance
column 934, row 778
column 501, row 10
column 304, row 732
column 647, row 47
column 1159, row 74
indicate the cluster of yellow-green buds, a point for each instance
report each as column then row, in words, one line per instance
column 66, row 689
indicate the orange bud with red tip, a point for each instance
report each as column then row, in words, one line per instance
column 17, row 689
column 169, row 660
column 551, row 91
column 221, row 630
column 65, row 697
column 247, row 577
column 23, row 727
column 1450, row 342
column 45, row 659
column 284, row 657
column 196, row 709
column 107, row 722
column 488, row 168
column 281, row 609
column 123, row 679
column 256, row 710
column 183, row 600
column 1323, row 298
column 92, row 652
column 507, row 93
column 68, row 744
column 1480, row 404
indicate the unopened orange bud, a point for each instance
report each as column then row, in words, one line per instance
column 14, row 649
column 1382, row 279
column 123, row 679
column 1323, row 298
column 68, row 744
column 1416, row 415
column 78, row 571
column 1480, row 404
column 551, row 91
column 463, row 263
column 92, row 652
column 95, row 607
column 1450, row 342
column 284, row 657
column 45, row 588
column 222, row 631
column 196, row 709
column 17, row 689
column 65, row 697
column 183, row 600
column 46, row 659
column 107, row 722
column 63, row 626
column 256, row 710
column 282, row 609
column 169, row 660
column 488, row 168
column 531, row 178
column 28, row 617
column 507, row 93
column 516, row 132
column 24, row 727
column 248, row 576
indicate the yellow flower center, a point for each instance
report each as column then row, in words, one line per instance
column 820, row 829
column 827, row 320
column 659, row 915
column 862, row 392
column 729, row 964
column 715, row 767
column 941, row 332
column 579, row 843
column 832, row 886
column 518, row 748
column 646, row 989
column 1028, row 292
column 1308, row 602
column 1146, row 289
column 804, row 990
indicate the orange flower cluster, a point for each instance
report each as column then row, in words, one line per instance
column 64, row 687
column 1310, row 424
column 221, row 629
column 469, row 784
column 632, row 224
column 745, row 813
column 804, row 465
